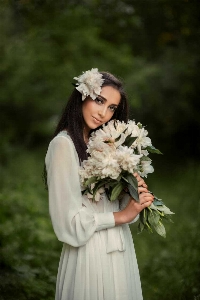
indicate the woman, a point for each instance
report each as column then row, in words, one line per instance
column 98, row 259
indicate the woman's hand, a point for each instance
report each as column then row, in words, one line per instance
column 140, row 180
column 133, row 208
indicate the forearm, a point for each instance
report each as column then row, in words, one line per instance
column 126, row 215
column 120, row 218
column 133, row 208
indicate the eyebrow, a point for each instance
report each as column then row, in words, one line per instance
column 102, row 97
column 107, row 100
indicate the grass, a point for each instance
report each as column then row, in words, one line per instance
column 29, row 251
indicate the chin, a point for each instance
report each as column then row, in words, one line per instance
column 94, row 126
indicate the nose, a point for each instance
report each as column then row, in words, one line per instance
column 102, row 112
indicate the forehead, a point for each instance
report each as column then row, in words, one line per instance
column 111, row 95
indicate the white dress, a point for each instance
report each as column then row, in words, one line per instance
column 98, row 259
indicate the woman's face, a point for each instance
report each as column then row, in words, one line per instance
column 99, row 111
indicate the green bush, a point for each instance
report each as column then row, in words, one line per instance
column 170, row 267
column 29, row 250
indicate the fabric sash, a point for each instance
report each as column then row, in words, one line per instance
column 115, row 239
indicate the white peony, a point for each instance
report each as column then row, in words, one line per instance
column 145, row 152
column 89, row 83
column 97, row 145
column 146, row 168
column 107, row 164
column 114, row 128
column 127, row 159
column 133, row 129
column 142, row 141
column 109, row 157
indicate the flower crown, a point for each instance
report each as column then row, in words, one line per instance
column 89, row 83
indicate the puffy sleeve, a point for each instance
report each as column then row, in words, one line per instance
column 73, row 223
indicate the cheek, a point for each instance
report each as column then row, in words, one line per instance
column 87, row 109
column 109, row 115
column 107, row 118
column 88, row 105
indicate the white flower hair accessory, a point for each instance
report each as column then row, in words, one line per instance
column 89, row 83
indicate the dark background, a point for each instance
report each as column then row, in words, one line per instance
column 153, row 46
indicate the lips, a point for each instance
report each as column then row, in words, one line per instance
column 96, row 120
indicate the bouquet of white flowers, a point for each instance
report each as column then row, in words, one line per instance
column 116, row 152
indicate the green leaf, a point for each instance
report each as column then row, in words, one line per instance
column 133, row 192
column 97, row 186
column 160, row 229
column 144, row 224
column 152, row 149
column 116, row 191
column 143, row 216
column 140, row 227
column 157, row 202
column 153, row 217
column 124, row 178
column 118, row 138
column 132, row 180
column 108, row 191
column 148, row 227
column 112, row 183
column 167, row 218
column 145, row 158
column 90, row 181
column 125, row 130
column 129, row 140
column 139, row 125
column 115, row 124
column 119, row 177
column 165, row 210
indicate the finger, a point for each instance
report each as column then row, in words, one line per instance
column 147, row 194
column 146, row 204
column 143, row 203
column 137, row 176
column 149, row 199
column 142, row 183
column 146, row 197
column 142, row 189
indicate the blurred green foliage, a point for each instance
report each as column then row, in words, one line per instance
column 29, row 250
column 153, row 45
column 29, row 253
column 170, row 268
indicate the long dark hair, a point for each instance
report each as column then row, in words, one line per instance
column 72, row 117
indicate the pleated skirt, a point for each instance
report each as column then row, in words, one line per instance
column 89, row 272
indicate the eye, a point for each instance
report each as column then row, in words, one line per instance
column 99, row 100
column 113, row 108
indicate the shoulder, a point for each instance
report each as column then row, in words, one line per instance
column 61, row 145
column 61, row 140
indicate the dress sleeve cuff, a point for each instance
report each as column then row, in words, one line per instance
column 104, row 220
